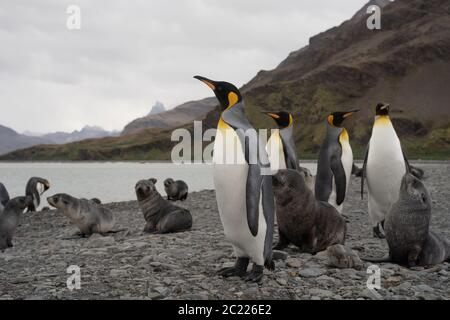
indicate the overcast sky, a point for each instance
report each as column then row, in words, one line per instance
column 128, row 54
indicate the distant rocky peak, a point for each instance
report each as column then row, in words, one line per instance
column 158, row 107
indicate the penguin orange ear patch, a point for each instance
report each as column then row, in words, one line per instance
column 330, row 119
column 232, row 99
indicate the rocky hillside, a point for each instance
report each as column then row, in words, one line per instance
column 406, row 63
column 174, row 118
column 11, row 140
column 87, row 132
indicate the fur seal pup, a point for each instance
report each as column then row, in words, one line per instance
column 85, row 214
column 9, row 219
column 310, row 224
column 161, row 215
column 407, row 231
column 176, row 190
column 35, row 188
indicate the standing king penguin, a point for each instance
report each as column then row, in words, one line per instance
column 384, row 167
column 244, row 195
column 334, row 167
column 281, row 146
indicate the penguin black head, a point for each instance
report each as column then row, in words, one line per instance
column 382, row 109
column 283, row 119
column 227, row 93
column 337, row 118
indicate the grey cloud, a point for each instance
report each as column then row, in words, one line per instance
column 129, row 54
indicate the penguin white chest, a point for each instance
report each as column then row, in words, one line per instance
column 275, row 151
column 230, row 181
column 347, row 155
column 384, row 169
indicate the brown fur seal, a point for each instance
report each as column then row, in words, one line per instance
column 176, row 190
column 85, row 214
column 310, row 224
column 9, row 219
column 407, row 231
column 161, row 215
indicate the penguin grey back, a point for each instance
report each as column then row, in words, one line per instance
column 329, row 165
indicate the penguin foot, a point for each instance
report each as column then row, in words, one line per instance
column 256, row 274
column 239, row 269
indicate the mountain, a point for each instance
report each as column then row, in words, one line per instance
column 11, row 140
column 158, row 107
column 88, row 132
column 406, row 63
column 174, row 118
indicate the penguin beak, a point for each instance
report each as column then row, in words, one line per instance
column 208, row 82
column 350, row 113
column 384, row 107
column 271, row 114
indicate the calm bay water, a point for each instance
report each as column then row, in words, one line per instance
column 108, row 181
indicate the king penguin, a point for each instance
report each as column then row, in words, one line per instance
column 35, row 188
column 281, row 146
column 335, row 164
column 384, row 166
column 243, row 185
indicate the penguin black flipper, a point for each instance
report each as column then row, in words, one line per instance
column 407, row 165
column 339, row 179
column 268, row 205
column 363, row 172
column 4, row 195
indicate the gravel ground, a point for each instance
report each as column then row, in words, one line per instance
column 130, row 265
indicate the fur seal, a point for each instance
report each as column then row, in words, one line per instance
column 161, row 215
column 342, row 257
column 407, row 231
column 35, row 188
column 176, row 190
column 310, row 224
column 9, row 219
column 85, row 214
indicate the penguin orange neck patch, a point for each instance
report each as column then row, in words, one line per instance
column 382, row 121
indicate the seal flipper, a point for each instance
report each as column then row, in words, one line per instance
column 387, row 258
column 339, row 179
